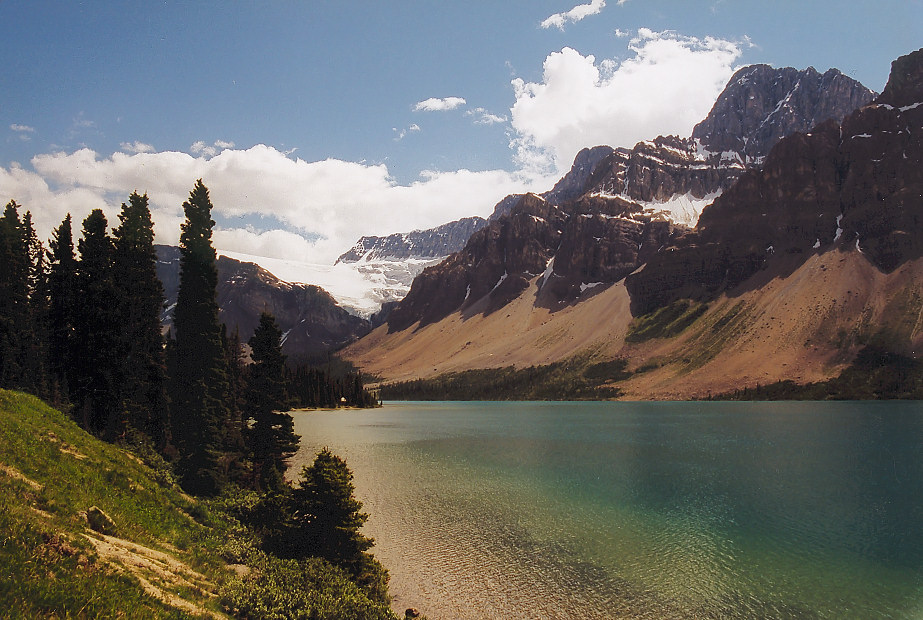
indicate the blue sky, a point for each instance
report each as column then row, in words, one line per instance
column 315, row 122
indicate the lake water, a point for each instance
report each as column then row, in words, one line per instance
column 640, row 510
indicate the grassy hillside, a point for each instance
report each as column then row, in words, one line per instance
column 151, row 551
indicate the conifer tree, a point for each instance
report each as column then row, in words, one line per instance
column 139, row 302
column 327, row 516
column 15, row 271
column 272, row 438
column 62, row 299
column 96, row 389
column 199, row 385
column 35, row 343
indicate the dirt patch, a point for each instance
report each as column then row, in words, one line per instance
column 158, row 572
column 65, row 447
column 17, row 475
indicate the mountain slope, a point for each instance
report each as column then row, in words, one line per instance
column 796, row 266
column 311, row 321
column 616, row 207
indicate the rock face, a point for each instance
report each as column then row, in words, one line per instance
column 575, row 247
column 311, row 321
column 761, row 105
column 855, row 185
column 436, row 242
column 616, row 209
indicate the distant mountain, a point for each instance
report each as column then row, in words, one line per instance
column 615, row 208
column 433, row 243
column 311, row 321
column 807, row 246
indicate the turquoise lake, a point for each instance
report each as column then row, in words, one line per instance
column 639, row 510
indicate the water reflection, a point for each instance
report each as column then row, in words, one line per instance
column 650, row 510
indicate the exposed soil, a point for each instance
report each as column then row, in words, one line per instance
column 802, row 325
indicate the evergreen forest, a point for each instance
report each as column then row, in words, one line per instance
column 80, row 328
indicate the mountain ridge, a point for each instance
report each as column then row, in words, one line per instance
column 847, row 191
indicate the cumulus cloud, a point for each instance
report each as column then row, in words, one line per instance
column 323, row 206
column 22, row 128
column 668, row 85
column 439, row 105
column 581, row 11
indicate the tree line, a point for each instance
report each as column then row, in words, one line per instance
column 80, row 326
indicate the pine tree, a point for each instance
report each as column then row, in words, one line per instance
column 96, row 371
column 272, row 438
column 15, row 271
column 62, row 298
column 35, row 344
column 327, row 516
column 199, row 385
column 139, row 302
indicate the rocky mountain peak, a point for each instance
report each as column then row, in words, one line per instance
column 760, row 105
column 905, row 84
column 432, row 243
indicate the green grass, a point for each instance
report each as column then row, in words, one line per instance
column 665, row 322
column 574, row 379
column 51, row 471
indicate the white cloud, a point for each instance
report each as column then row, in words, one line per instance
column 581, row 11
column 483, row 117
column 136, row 147
column 199, row 147
column 667, row 86
column 402, row 133
column 324, row 206
column 22, row 128
column 439, row 105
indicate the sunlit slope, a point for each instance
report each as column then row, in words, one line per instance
column 151, row 559
column 802, row 326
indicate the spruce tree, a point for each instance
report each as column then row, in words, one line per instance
column 62, row 299
column 199, row 384
column 272, row 438
column 139, row 302
column 327, row 516
column 96, row 372
column 35, row 344
column 15, row 271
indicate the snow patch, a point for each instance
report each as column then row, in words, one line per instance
column 816, row 244
column 549, row 270
column 360, row 288
column 500, row 281
column 839, row 231
column 682, row 208
column 588, row 285
column 911, row 107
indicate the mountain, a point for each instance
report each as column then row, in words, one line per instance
column 668, row 178
column 810, row 250
column 616, row 207
column 311, row 321
column 433, row 243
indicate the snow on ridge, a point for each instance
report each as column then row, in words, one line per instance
column 682, row 208
column 360, row 288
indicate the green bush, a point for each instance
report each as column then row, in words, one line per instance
column 308, row 589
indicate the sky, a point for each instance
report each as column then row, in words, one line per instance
column 315, row 122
